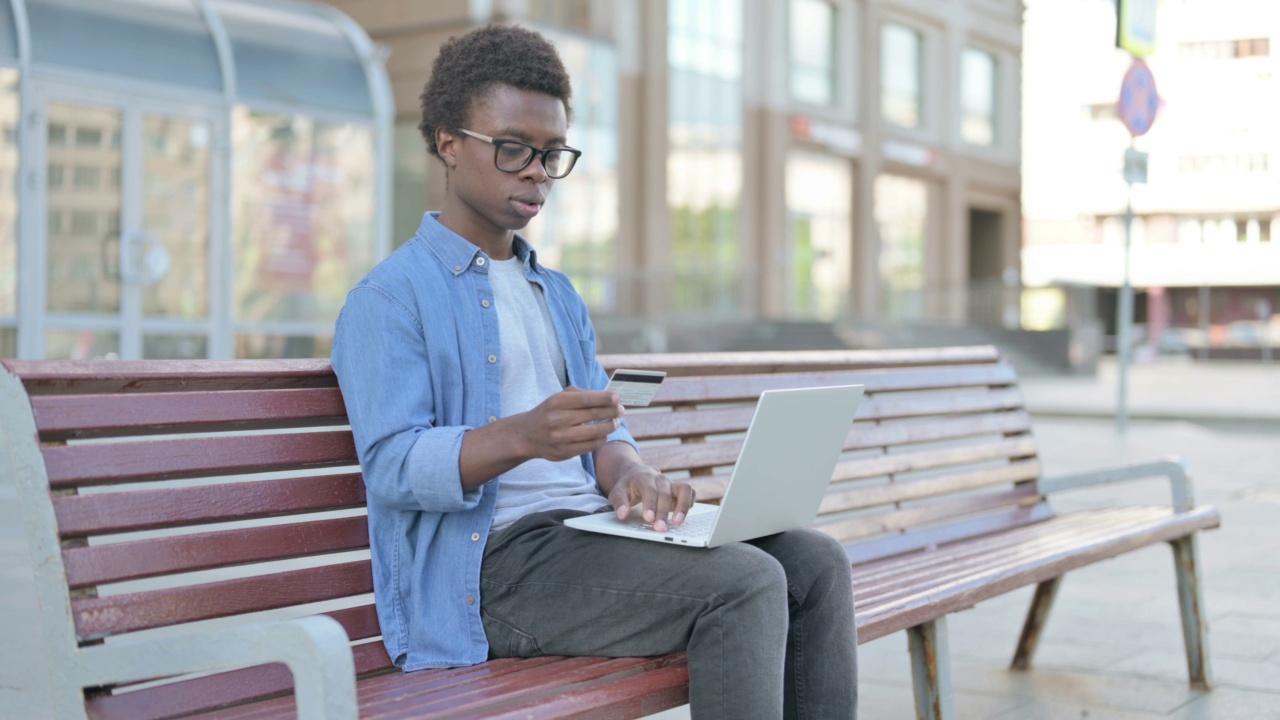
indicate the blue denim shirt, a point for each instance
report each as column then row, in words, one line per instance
column 417, row 356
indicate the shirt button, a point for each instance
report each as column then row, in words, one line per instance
column 484, row 303
column 493, row 418
column 457, row 268
column 475, row 537
column 471, row 599
column 493, row 359
column 480, row 261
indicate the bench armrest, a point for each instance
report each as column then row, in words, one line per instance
column 1174, row 469
column 315, row 649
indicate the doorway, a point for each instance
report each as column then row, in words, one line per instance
column 126, row 268
column 986, row 289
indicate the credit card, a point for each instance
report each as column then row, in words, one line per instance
column 636, row 387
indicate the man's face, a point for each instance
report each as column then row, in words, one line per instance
column 493, row 200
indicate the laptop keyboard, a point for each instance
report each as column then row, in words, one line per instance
column 699, row 524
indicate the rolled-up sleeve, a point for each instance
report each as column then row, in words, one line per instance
column 408, row 457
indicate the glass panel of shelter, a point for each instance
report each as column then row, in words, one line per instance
column 127, row 228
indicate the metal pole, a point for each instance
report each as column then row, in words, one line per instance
column 1124, row 318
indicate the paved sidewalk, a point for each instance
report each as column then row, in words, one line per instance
column 1232, row 394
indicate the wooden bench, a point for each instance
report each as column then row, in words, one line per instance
column 206, row 518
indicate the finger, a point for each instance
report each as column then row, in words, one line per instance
column 684, row 494
column 649, row 502
column 665, row 502
column 620, row 499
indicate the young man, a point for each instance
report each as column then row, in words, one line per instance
column 469, row 372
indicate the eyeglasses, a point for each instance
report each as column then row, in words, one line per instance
column 512, row 156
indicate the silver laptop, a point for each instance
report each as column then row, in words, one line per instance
column 787, row 459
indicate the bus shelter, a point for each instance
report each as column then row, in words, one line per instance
column 186, row 178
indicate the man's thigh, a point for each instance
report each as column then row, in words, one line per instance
column 550, row 589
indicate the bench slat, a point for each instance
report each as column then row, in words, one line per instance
column 936, row 511
column 100, row 617
column 904, row 462
column 114, row 562
column 902, row 491
column 59, row 417
column 937, row 598
column 715, row 421
column 1027, row 544
column 44, row 377
column 116, row 512
column 916, row 540
column 104, row 463
column 734, row 363
column 719, row 453
column 736, row 388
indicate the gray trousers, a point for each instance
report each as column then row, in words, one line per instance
column 768, row 624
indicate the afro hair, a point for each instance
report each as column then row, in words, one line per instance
column 469, row 66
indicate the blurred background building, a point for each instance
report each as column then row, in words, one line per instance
column 1206, row 231
column 207, row 178
column 761, row 173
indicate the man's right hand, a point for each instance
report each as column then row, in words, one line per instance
column 570, row 423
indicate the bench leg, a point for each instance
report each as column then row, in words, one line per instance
column 1038, row 613
column 1195, row 626
column 931, row 670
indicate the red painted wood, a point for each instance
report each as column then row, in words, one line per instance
column 731, row 388
column 723, row 452
column 96, row 564
column 733, row 363
column 100, row 617
column 896, row 613
column 83, row 515
column 99, row 464
column 43, row 377
column 59, row 417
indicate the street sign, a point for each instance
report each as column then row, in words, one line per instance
column 1138, row 102
column 1135, row 166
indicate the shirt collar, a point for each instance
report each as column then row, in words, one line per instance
column 458, row 254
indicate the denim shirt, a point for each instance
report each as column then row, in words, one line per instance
column 417, row 356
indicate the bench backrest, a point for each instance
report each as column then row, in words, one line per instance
column 196, row 492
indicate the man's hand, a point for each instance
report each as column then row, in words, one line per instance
column 657, row 496
column 570, row 423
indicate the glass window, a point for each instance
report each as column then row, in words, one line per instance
column 159, row 40
column 409, row 181
column 902, row 210
column 175, row 208
column 820, row 215
column 9, row 119
column 82, row 345
column 704, row 165
column 8, row 36
column 901, row 75
column 83, row 254
column 978, row 97
column 302, row 227
column 812, row 31
column 577, row 234
column 293, row 55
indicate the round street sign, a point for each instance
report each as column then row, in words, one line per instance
column 1138, row 99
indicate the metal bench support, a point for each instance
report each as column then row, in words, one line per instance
column 1037, row 615
column 931, row 670
column 1195, row 625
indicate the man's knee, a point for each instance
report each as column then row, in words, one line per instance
column 746, row 572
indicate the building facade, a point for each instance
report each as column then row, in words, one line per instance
column 1205, row 255
column 811, row 160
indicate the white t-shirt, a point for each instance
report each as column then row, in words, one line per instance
column 533, row 369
